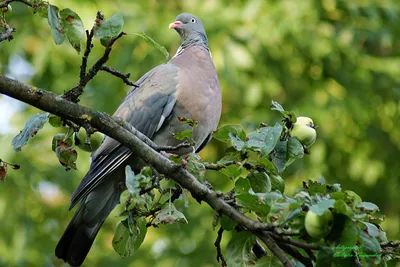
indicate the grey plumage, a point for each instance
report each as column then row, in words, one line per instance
column 186, row 86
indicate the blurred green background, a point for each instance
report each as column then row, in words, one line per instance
column 336, row 61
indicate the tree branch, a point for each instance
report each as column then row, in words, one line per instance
column 50, row 102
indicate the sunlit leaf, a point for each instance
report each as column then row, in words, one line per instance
column 111, row 27
column 249, row 199
column 277, row 183
column 368, row 206
column 154, row 44
column 169, row 214
column 232, row 171
column 267, row 164
column 268, row 261
column 260, row 182
column 239, row 250
column 194, row 166
column 32, row 126
column 322, row 206
column 227, row 223
column 224, row 133
column 128, row 237
column 185, row 134
column 286, row 114
column 56, row 26
column 264, row 139
column 73, row 27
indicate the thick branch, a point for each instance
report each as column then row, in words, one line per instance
column 50, row 102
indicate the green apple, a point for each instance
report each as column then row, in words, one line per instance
column 55, row 121
column 304, row 130
column 95, row 140
column 318, row 226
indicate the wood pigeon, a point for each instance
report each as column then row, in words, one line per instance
column 186, row 86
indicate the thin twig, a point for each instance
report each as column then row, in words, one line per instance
column 124, row 77
column 14, row 166
column 74, row 93
column 217, row 245
column 89, row 46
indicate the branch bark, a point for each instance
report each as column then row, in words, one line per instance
column 50, row 102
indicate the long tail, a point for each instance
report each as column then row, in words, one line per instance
column 78, row 238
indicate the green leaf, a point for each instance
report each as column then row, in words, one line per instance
column 237, row 143
column 185, row 134
column 268, row 165
column 134, row 183
column 371, row 229
column 322, row 206
column 169, row 214
column 316, row 188
column 227, row 223
column 32, row 126
column 276, row 106
column 277, row 183
column 368, row 206
column 248, row 199
column 352, row 198
column 239, row 250
column 286, row 152
column 260, row 182
column 224, row 133
column 110, row 28
column 286, row 114
column 242, row 186
column 73, row 28
column 232, row 171
column 268, row 261
column 348, row 238
column 264, row 139
column 279, row 156
column 194, row 166
column 154, row 44
column 371, row 249
column 129, row 237
column 295, row 151
column 343, row 208
column 192, row 123
column 56, row 26
column 324, row 257
column 231, row 156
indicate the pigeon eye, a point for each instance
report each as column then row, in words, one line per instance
column 193, row 20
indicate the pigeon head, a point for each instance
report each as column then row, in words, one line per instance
column 191, row 30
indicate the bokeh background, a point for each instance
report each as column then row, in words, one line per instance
column 336, row 61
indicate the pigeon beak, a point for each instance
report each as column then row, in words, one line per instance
column 176, row 25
